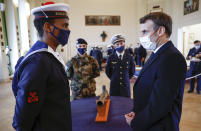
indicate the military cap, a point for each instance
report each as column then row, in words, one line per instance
column 81, row 41
column 117, row 38
column 51, row 10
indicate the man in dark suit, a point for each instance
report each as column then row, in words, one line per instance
column 130, row 49
column 140, row 54
column 195, row 66
column 158, row 91
column 120, row 68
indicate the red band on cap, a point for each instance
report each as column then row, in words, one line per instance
column 48, row 3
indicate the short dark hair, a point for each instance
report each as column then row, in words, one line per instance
column 196, row 41
column 39, row 23
column 159, row 19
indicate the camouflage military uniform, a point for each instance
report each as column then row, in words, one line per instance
column 82, row 71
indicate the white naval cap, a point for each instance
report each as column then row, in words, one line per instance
column 51, row 10
column 117, row 38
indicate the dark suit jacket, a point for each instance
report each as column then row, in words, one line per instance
column 158, row 91
column 140, row 53
column 120, row 73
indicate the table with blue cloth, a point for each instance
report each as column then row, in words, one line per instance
column 84, row 113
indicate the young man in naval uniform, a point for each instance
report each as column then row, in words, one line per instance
column 40, row 84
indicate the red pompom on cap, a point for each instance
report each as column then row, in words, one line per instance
column 48, row 3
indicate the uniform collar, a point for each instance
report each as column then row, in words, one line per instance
column 41, row 45
column 56, row 55
column 122, row 53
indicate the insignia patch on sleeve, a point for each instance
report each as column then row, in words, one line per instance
column 32, row 97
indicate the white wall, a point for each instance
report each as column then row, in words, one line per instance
column 181, row 20
column 127, row 9
column 130, row 12
column 192, row 33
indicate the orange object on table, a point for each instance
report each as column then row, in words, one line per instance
column 102, row 111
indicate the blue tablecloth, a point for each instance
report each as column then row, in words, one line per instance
column 84, row 113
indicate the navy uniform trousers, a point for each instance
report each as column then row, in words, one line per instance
column 158, row 91
column 120, row 72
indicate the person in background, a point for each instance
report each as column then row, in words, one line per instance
column 140, row 54
column 195, row 66
column 110, row 50
column 91, row 51
column 82, row 69
column 97, row 54
column 130, row 49
column 158, row 91
column 120, row 68
column 40, row 84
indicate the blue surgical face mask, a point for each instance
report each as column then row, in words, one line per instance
column 62, row 37
column 82, row 50
column 120, row 49
column 197, row 47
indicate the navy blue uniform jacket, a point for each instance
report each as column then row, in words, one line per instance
column 158, row 91
column 42, row 93
column 120, row 72
column 194, row 66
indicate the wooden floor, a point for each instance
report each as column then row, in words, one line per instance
column 190, row 121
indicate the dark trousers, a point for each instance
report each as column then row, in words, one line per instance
column 192, row 82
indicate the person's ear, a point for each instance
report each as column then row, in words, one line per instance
column 161, row 31
column 47, row 27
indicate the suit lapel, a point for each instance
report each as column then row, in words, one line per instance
column 150, row 62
